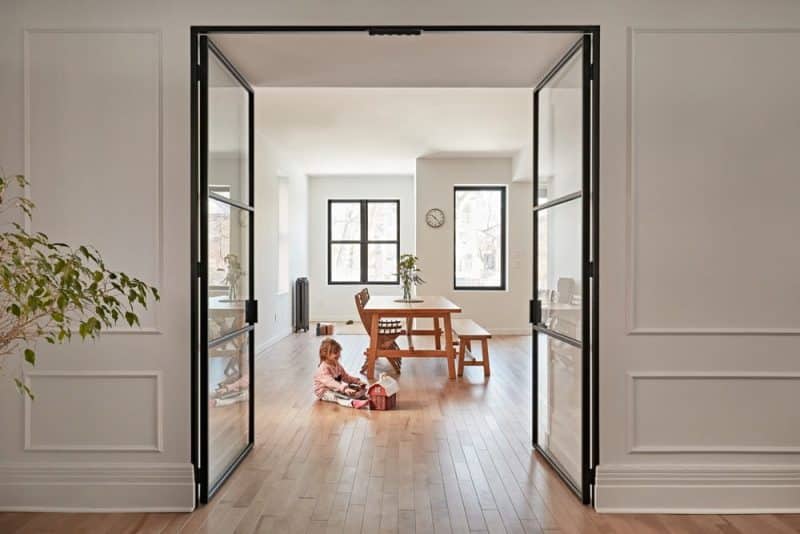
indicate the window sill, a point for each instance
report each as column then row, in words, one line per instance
column 481, row 289
column 395, row 284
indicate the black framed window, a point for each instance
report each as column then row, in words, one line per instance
column 363, row 241
column 219, row 233
column 479, row 221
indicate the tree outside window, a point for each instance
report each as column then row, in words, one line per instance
column 480, row 236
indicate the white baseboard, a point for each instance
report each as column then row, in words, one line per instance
column 510, row 331
column 698, row 489
column 97, row 487
column 334, row 319
column 261, row 347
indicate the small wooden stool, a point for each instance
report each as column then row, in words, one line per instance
column 468, row 331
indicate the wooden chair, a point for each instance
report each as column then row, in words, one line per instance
column 388, row 329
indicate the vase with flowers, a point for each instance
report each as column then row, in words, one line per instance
column 233, row 275
column 408, row 270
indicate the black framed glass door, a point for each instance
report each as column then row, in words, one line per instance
column 225, row 304
column 563, row 312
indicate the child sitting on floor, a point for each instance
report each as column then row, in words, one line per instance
column 331, row 381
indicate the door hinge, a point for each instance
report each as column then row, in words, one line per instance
column 198, row 269
column 591, row 71
column 197, row 71
column 590, row 269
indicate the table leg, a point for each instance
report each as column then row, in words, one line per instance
column 449, row 348
column 462, row 347
column 410, row 331
column 372, row 353
column 485, row 350
column 438, row 334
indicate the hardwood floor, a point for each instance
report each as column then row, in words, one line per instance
column 454, row 457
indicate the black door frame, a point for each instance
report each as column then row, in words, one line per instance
column 588, row 45
column 199, row 247
column 196, row 268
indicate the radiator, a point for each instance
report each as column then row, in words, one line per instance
column 301, row 304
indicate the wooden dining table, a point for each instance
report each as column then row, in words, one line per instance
column 439, row 309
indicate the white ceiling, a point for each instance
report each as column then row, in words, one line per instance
column 383, row 131
column 350, row 103
column 356, row 59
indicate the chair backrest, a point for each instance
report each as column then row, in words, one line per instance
column 362, row 297
column 565, row 288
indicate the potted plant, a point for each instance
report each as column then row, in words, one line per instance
column 409, row 275
column 50, row 291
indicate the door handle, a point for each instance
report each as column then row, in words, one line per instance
column 251, row 311
column 535, row 312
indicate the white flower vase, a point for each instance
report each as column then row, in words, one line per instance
column 407, row 291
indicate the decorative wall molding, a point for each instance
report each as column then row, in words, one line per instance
column 158, row 419
column 677, row 489
column 631, row 221
column 96, row 487
column 158, row 200
column 632, row 402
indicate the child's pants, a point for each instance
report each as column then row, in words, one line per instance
column 339, row 398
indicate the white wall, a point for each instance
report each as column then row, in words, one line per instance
column 275, row 306
column 691, row 180
column 335, row 303
column 102, row 174
column 502, row 312
column 699, row 360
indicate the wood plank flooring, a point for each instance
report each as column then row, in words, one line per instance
column 455, row 457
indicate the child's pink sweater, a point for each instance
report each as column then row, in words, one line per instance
column 331, row 376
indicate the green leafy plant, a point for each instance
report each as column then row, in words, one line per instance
column 409, row 274
column 50, row 291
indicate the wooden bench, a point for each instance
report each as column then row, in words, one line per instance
column 468, row 331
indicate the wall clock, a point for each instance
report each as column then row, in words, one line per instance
column 434, row 217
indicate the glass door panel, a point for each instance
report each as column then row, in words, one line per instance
column 559, row 399
column 560, row 304
column 560, row 268
column 228, row 132
column 228, row 254
column 560, row 130
column 229, row 406
column 227, row 306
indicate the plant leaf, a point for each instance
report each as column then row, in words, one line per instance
column 23, row 388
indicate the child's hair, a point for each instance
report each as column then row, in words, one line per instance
column 328, row 347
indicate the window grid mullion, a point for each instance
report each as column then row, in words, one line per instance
column 363, row 240
column 364, row 230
